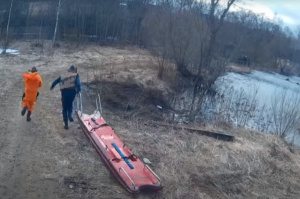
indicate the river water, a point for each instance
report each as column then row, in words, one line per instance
column 260, row 101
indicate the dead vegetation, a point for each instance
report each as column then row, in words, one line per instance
column 255, row 165
column 132, row 101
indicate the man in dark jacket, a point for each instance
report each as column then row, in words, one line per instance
column 69, row 86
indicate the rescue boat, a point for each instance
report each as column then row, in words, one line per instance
column 132, row 173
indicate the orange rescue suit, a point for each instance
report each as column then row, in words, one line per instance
column 33, row 82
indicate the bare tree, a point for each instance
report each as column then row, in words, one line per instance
column 56, row 22
column 30, row 9
column 215, row 20
column 155, row 40
column 7, row 28
column 208, row 66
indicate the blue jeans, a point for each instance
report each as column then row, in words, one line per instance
column 67, row 98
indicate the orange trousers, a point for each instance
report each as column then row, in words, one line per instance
column 29, row 100
column 29, row 104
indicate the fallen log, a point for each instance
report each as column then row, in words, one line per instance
column 216, row 135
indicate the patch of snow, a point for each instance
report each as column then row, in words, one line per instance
column 10, row 51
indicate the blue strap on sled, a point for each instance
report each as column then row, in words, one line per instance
column 93, row 119
column 122, row 155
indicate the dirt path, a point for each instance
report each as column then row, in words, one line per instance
column 39, row 159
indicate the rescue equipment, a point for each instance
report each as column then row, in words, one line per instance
column 131, row 172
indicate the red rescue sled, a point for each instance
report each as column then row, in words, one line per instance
column 131, row 172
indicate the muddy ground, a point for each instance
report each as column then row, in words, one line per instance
column 39, row 159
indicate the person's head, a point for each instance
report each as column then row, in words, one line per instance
column 33, row 70
column 72, row 69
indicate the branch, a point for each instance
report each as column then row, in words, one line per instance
column 229, row 4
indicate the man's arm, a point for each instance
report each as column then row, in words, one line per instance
column 28, row 76
column 55, row 83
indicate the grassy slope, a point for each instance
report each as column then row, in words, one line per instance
column 193, row 166
column 255, row 165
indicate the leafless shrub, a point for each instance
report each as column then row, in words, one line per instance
column 235, row 106
column 280, row 117
column 263, row 119
column 285, row 109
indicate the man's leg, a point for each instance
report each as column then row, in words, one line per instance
column 28, row 116
column 65, row 113
column 70, row 106
column 24, row 105
column 30, row 109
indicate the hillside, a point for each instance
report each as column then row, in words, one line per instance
column 42, row 160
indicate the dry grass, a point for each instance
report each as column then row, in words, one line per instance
column 193, row 166
column 238, row 69
column 255, row 165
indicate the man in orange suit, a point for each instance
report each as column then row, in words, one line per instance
column 33, row 82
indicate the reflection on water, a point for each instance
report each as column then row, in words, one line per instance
column 260, row 88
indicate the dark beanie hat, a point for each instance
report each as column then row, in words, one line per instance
column 72, row 69
column 33, row 69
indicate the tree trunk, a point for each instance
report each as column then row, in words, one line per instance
column 40, row 30
column 56, row 23
column 7, row 28
column 1, row 20
column 28, row 15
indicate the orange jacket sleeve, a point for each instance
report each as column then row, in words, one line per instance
column 27, row 76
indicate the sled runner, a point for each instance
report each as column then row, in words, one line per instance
column 131, row 172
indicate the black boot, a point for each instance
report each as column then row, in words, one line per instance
column 71, row 119
column 24, row 111
column 28, row 116
column 66, row 124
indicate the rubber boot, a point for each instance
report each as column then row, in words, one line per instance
column 28, row 116
column 24, row 111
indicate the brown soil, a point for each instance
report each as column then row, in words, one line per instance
column 39, row 159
